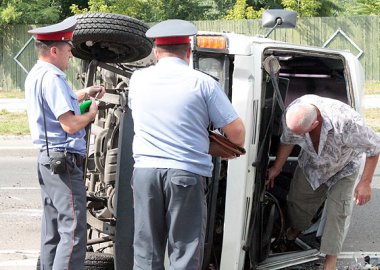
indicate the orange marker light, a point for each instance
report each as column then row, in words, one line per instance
column 212, row 42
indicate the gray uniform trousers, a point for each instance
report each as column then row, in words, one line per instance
column 64, row 227
column 170, row 208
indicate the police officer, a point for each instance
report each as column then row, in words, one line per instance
column 57, row 127
column 172, row 106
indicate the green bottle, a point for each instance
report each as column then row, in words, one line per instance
column 84, row 106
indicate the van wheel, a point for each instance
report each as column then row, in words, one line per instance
column 99, row 261
column 110, row 38
column 94, row 261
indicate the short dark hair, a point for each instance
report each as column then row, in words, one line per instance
column 179, row 49
column 43, row 47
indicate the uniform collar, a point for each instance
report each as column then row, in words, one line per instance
column 52, row 68
column 171, row 60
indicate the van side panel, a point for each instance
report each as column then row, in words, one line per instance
column 240, row 173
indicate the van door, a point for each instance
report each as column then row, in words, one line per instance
column 301, row 71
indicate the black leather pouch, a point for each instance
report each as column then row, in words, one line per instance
column 57, row 161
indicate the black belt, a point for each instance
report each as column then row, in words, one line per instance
column 77, row 158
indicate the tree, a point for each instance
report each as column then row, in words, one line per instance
column 29, row 12
column 366, row 7
column 66, row 4
column 241, row 10
column 52, row 11
column 182, row 9
column 93, row 6
column 238, row 11
column 150, row 10
column 316, row 8
column 36, row 11
column 9, row 13
column 332, row 8
column 304, row 8
column 265, row 4
column 250, row 9
column 217, row 8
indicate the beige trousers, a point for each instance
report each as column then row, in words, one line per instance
column 304, row 202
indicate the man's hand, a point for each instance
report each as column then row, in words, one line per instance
column 362, row 193
column 283, row 153
column 271, row 175
column 95, row 91
column 93, row 109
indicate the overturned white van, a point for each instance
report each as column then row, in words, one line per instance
column 260, row 76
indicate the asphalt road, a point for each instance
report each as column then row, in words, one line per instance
column 20, row 206
column 20, row 212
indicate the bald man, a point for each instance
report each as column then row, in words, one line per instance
column 332, row 137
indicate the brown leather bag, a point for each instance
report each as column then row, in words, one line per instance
column 220, row 146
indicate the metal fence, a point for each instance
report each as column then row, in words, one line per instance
column 14, row 47
column 359, row 34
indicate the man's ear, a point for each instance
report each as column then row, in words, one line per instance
column 315, row 124
column 188, row 54
column 155, row 52
column 53, row 50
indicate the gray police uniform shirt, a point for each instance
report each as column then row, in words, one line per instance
column 172, row 106
column 344, row 138
column 59, row 98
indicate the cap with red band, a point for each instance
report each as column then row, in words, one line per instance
column 63, row 36
column 172, row 40
column 171, row 32
column 62, row 31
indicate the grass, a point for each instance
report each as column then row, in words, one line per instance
column 13, row 123
column 372, row 118
column 12, row 94
column 372, row 88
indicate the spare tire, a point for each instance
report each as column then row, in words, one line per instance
column 110, row 38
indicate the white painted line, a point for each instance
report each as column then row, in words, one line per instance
column 31, row 257
column 19, row 188
column 358, row 254
column 19, row 263
column 23, row 213
column 19, row 251
column 16, row 198
column 17, row 147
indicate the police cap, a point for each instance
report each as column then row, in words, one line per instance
column 172, row 32
column 62, row 31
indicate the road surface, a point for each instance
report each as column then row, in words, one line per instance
column 20, row 213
